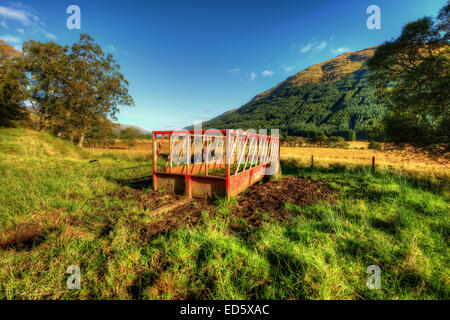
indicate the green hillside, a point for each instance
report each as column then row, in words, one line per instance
column 328, row 98
column 29, row 144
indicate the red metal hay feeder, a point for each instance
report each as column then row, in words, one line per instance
column 205, row 163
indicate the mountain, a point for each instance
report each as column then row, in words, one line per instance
column 120, row 127
column 329, row 98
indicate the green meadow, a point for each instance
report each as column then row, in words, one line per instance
column 58, row 208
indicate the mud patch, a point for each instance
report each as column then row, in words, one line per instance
column 271, row 198
column 184, row 215
column 145, row 200
column 26, row 235
column 260, row 202
column 23, row 237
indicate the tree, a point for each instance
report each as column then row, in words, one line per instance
column 129, row 136
column 351, row 135
column 95, row 87
column 70, row 89
column 13, row 83
column 101, row 134
column 46, row 66
column 411, row 74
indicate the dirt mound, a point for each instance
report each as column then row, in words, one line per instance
column 27, row 234
column 268, row 198
column 24, row 236
column 271, row 198
column 185, row 215
column 145, row 200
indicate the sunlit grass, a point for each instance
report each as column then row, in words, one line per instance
column 395, row 220
column 399, row 160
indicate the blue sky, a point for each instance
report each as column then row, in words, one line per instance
column 189, row 61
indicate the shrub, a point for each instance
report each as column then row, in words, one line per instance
column 336, row 139
column 374, row 145
column 351, row 135
column 343, row 145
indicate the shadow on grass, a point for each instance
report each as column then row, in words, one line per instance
column 135, row 183
column 132, row 177
column 383, row 225
column 288, row 271
column 142, row 282
column 25, row 237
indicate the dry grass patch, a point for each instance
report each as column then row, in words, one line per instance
column 393, row 159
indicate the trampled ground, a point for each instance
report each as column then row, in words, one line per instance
column 311, row 235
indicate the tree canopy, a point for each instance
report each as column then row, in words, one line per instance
column 411, row 74
column 71, row 89
column 12, row 86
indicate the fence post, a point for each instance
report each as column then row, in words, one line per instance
column 187, row 178
column 170, row 152
column 312, row 161
column 227, row 164
column 155, row 182
column 206, row 155
column 373, row 163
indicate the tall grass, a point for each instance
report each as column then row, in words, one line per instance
column 382, row 218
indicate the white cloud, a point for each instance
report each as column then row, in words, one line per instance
column 314, row 46
column 252, row 76
column 286, row 68
column 11, row 39
column 234, row 70
column 267, row 73
column 48, row 34
column 19, row 15
column 24, row 18
column 306, row 48
column 340, row 50
column 110, row 48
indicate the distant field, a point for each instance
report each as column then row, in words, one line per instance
column 356, row 155
column 142, row 151
column 393, row 159
column 311, row 235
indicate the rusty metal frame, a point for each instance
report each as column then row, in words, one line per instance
column 251, row 153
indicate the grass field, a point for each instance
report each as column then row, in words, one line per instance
column 58, row 209
column 404, row 160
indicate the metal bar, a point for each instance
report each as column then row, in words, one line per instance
column 254, row 153
column 170, row 152
column 155, row 183
column 181, row 151
column 210, row 131
column 227, row 170
column 241, row 155
column 188, row 181
column 232, row 151
column 206, row 155
column 249, row 152
column 160, row 143
column 192, row 149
